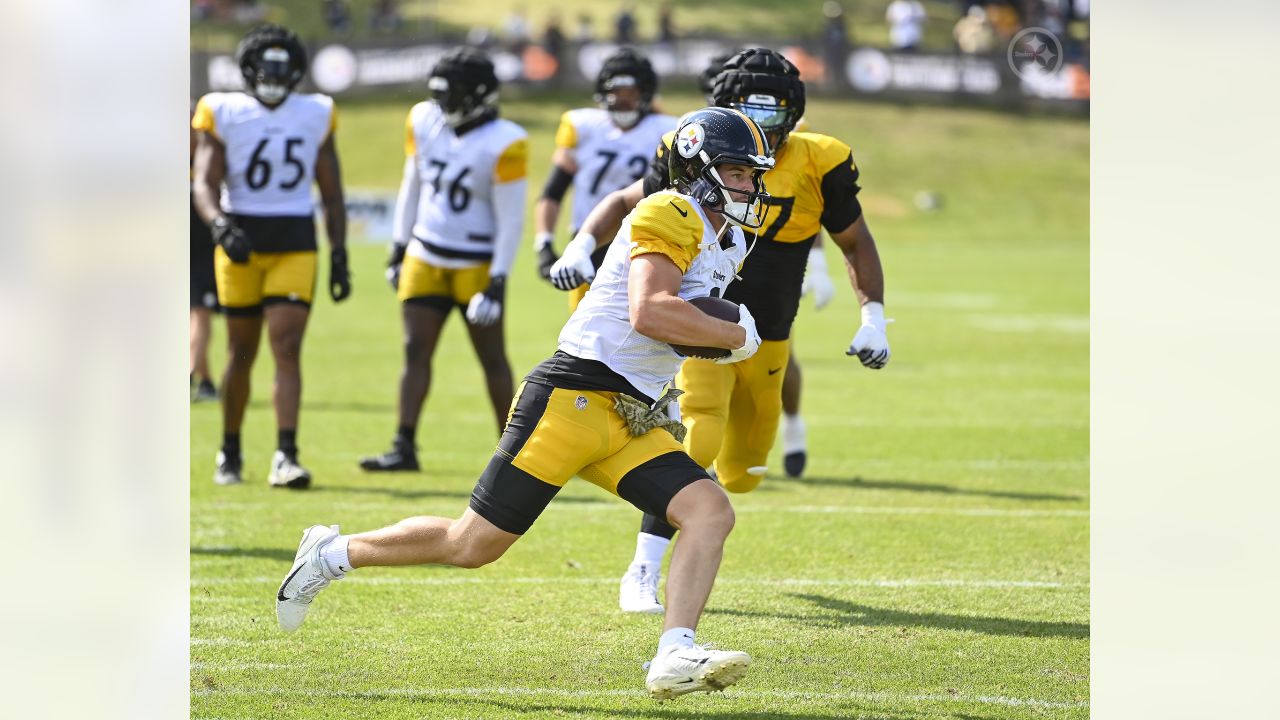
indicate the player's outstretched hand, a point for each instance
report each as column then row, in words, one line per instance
column 574, row 267
column 339, row 275
column 748, row 323
column 485, row 307
column 870, row 343
column 232, row 239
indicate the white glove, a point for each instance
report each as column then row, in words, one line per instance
column 816, row 279
column 574, row 267
column 748, row 323
column 485, row 307
column 870, row 343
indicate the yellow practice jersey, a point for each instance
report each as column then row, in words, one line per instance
column 813, row 185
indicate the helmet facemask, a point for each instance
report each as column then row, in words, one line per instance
column 747, row 209
column 773, row 116
column 458, row 106
column 624, row 101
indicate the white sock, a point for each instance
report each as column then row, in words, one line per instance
column 334, row 555
column 650, row 549
column 679, row 637
column 793, row 436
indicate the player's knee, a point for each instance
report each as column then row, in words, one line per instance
column 495, row 364
column 717, row 518
column 702, row 441
column 474, row 555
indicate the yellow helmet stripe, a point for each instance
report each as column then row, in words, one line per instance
column 755, row 132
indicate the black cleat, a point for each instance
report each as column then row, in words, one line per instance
column 205, row 392
column 228, row 469
column 793, row 463
column 401, row 457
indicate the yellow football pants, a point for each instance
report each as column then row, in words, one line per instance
column 732, row 412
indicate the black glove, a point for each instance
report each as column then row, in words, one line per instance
column 232, row 239
column 485, row 307
column 339, row 275
column 546, row 258
column 393, row 265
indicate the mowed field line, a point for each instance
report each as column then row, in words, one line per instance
column 765, row 582
column 594, row 507
column 427, row 693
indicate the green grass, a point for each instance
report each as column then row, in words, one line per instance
column 933, row 563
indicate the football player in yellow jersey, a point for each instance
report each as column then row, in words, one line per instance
column 257, row 154
column 732, row 412
column 590, row 408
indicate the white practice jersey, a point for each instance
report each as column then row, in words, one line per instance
column 600, row 329
column 455, row 223
column 270, row 153
column 609, row 158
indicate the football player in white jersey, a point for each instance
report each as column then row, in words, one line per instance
column 589, row 410
column 458, row 222
column 257, row 154
column 599, row 150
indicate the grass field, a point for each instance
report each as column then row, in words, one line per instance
column 933, row 563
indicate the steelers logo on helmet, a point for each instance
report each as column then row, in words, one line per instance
column 272, row 61
column 690, row 140
column 706, row 141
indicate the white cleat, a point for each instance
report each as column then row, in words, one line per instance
column 286, row 472
column 638, row 592
column 681, row 670
column 308, row 576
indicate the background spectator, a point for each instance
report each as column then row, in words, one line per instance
column 973, row 34
column 666, row 23
column 835, row 39
column 906, row 23
column 337, row 16
column 516, row 29
column 625, row 26
column 384, row 16
column 585, row 31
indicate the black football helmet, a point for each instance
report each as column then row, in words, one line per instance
column 709, row 138
column 766, row 87
column 273, row 61
column 464, row 85
column 626, row 68
column 707, row 79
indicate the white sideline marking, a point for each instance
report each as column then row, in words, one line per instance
column 1072, row 324
column 532, row 692
column 595, row 506
column 239, row 666
column 230, row 642
column 782, row 582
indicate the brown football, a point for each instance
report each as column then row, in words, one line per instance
column 716, row 308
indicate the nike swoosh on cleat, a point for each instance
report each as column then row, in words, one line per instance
column 280, row 593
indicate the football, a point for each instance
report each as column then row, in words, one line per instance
column 716, row 308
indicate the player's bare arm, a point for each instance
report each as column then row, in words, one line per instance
column 329, row 180
column 210, row 168
column 606, row 218
column 862, row 260
column 657, row 311
column 869, row 344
